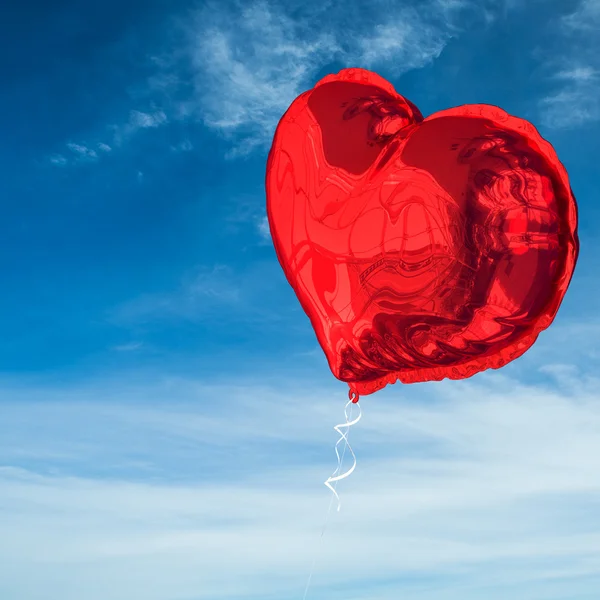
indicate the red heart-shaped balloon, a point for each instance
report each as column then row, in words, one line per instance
column 419, row 248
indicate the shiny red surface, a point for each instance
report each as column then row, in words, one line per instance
column 419, row 248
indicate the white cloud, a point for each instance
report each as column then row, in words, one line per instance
column 142, row 120
column 252, row 295
column 263, row 229
column 183, row 146
column 409, row 41
column 251, row 63
column 58, row 160
column 244, row 210
column 243, row 63
column 138, row 120
column 578, row 74
column 249, row 70
column 82, row 152
column 576, row 101
column 181, row 488
column 571, row 107
column 201, row 293
column 586, row 17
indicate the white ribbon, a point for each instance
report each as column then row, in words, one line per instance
column 334, row 477
column 343, row 437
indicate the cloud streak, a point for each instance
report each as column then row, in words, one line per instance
column 238, row 65
column 574, row 101
column 79, row 154
column 182, row 488
column 210, row 294
column 250, row 63
column 82, row 152
column 200, row 294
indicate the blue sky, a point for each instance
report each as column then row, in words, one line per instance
column 165, row 412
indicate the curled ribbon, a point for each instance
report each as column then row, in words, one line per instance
column 343, row 437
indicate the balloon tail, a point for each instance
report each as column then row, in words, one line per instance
column 335, row 477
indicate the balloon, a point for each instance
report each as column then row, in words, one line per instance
column 420, row 249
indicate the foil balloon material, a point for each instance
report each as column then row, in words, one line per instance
column 420, row 249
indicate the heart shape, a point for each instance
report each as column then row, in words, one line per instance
column 419, row 248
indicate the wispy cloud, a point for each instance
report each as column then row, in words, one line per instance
column 82, row 152
column 79, row 153
column 410, row 41
column 263, row 229
column 142, row 120
column 129, row 347
column 576, row 70
column 585, row 18
column 578, row 74
column 463, row 490
column 253, row 295
column 571, row 107
column 58, row 160
column 250, row 63
column 245, row 212
column 138, row 120
column 200, row 294
column 239, row 65
column 183, row 146
column 250, row 68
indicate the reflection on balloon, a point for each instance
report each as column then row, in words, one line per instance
column 419, row 248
